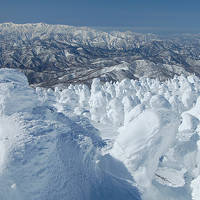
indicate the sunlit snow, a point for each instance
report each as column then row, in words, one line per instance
column 134, row 139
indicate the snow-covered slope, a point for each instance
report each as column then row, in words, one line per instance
column 53, row 54
column 74, row 35
column 46, row 155
column 134, row 139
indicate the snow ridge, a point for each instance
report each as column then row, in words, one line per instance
column 75, row 35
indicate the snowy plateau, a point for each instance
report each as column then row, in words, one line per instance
column 129, row 140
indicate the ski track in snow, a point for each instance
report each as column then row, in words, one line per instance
column 127, row 140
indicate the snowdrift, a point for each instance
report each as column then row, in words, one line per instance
column 46, row 155
column 134, row 139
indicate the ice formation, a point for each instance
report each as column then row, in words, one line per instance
column 134, row 139
column 46, row 155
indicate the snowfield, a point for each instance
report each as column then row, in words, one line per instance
column 125, row 140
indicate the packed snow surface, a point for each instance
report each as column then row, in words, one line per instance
column 134, row 139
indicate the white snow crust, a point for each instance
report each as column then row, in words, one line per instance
column 47, row 155
column 134, row 139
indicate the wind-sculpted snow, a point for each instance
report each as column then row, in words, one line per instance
column 46, row 155
column 101, row 142
column 150, row 126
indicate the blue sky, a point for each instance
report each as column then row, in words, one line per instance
column 141, row 15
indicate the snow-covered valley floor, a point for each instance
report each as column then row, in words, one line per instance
column 129, row 140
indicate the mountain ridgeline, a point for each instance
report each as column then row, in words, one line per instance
column 58, row 54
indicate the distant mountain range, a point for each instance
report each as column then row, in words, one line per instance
column 60, row 54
